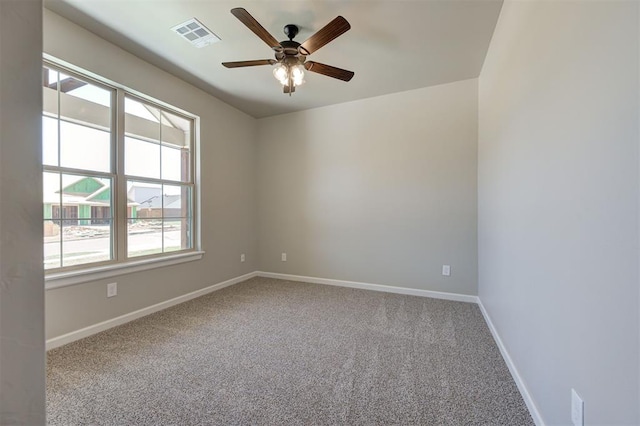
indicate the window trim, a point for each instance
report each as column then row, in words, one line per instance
column 121, row 264
column 61, row 279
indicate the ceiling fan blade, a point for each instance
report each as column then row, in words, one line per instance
column 326, row 34
column 239, row 64
column 255, row 26
column 329, row 71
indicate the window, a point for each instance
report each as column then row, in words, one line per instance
column 118, row 178
column 157, row 159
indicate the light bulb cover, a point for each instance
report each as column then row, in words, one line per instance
column 283, row 72
column 297, row 74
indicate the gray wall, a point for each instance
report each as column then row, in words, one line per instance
column 22, row 379
column 381, row 190
column 227, row 150
column 558, row 202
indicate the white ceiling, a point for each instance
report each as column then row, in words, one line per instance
column 393, row 45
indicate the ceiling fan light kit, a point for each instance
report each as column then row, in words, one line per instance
column 291, row 56
column 286, row 74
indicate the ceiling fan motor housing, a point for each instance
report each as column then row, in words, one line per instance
column 290, row 48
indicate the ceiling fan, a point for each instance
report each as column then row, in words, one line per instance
column 291, row 56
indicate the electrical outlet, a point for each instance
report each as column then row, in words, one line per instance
column 112, row 289
column 242, row 257
column 577, row 409
column 284, row 257
column 446, row 270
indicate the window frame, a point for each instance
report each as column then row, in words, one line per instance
column 120, row 262
column 121, row 173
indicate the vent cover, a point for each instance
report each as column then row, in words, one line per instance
column 195, row 33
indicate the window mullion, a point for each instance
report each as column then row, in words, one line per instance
column 121, row 216
column 60, row 204
column 162, row 190
column 79, row 172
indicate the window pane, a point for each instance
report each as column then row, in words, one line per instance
column 141, row 158
column 135, row 108
column 84, row 205
column 84, row 103
column 177, row 234
column 175, row 163
column 52, row 244
column 91, row 101
column 179, row 123
column 176, row 201
column 83, row 113
column 142, row 121
column 176, row 142
column 142, row 139
column 85, row 244
column 87, row 198
column 50, row 192
column 148, row 204
column 85, row 124
column 144, row 237
column 145, row 199
column 85, row 148
column 50, row 92
column 50, row 118
column 49, row 141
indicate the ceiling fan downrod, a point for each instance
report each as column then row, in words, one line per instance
column 291, row 31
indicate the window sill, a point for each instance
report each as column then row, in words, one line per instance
column 64, row 279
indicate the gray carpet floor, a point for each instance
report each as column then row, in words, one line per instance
column 273, row 352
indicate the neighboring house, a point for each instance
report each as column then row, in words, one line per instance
column 151, row 201
column 86, row 201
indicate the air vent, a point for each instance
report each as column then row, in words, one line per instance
column 195, row 33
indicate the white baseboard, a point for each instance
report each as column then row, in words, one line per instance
column 375, row 287
column 105, row 325
column 526, row 396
